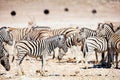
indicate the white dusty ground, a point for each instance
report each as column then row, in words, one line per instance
column 66, row 69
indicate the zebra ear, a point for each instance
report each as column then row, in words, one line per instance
column 100, row 24
column 111, row 24
column 3, row 28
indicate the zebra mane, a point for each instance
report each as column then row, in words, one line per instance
column 83, row 29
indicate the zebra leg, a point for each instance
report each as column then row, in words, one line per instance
column 53, row 54
column 116, row 57
column 96, row 57
column 86, row 60
column 103, row 60
column 20, row 69
column 110, row 57
column 42, row 72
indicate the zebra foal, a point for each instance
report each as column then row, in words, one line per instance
column 39, row 48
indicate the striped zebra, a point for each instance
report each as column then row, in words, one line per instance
column 71, row 38
column 97, row 44
column 69, row 32
column 17, row 34
column 113, row 42
column 4, row 58
column 85, row 33
column 38, row 34
column 40, row 48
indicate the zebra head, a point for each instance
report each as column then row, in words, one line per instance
column 81, row 36
column 4, row 59
column 5, row 36
column 105, row 30
column 62, row 43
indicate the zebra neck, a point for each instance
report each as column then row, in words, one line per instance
column 52, row 46
column 109, row 34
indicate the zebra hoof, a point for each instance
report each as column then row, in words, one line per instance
column 42, row 73
column 85, row 67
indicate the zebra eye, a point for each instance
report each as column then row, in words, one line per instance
column 59, row 38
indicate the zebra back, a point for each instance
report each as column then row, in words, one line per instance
column 70, row 34
column 38, row 34
column 95, row 43
column 65, row 31
column 19, row 33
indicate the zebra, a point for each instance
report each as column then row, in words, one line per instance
column 38, row 34
column 97, row 44
column 4, row 58
column 39, row 48
column 4, row 55
column 69, row 32
column 85, row 33
column 71, row 38
column 17, row 34
column 113, row 42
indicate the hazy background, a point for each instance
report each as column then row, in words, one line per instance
column 17, row 13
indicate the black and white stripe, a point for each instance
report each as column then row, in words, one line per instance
column 97, row 44
column 113, row 42
column 4, row 56
column 40, row 48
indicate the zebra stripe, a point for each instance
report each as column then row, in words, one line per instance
column 97, row 44
column 70, row 34
column 19, row 33
column 5, row 36
column 88, row 32
column 113, row 43
column 4, row 58
column 40, row 48
column 38, row 34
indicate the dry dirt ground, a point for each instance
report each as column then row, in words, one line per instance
column 66, row 69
